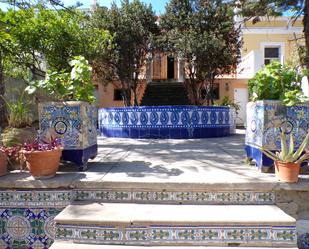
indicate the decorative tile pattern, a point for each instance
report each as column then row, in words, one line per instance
column 167, row 121
column 33, row 199
column 264, row 122
column 178, row 197
column 203, row 235
column 75, row 122
column 303, row 241
column 26, row 216
column 98, row 234
column 27, row 228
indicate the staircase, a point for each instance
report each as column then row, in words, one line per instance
column 165, row 93
column 241, row 219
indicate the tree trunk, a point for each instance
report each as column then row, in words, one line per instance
column 3, row 110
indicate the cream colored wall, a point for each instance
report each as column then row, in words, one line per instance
column 229, row 91
column 274, row 22
column 254, row 41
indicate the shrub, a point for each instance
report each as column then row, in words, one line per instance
column 273, row 81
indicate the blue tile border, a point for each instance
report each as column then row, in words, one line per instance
column 167, row 122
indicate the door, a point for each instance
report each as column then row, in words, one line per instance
column 156, row 67
column 241, row 98
column 170, row 67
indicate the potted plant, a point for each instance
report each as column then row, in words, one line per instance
column 288, row 161
column 42, row 159
column 72, row 116
column 276, row 101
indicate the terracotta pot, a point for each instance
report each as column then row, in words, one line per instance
column 3, row 164
column 287, row 172
column 43, row 164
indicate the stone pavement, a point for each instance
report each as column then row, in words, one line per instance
column 175, row 164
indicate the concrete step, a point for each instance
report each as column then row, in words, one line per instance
column 146, row 224
column 70, row 245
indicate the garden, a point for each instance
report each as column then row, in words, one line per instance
column 74, row 174
column 53, row 66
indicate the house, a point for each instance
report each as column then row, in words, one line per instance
column 267, row 40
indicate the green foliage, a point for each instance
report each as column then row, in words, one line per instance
column 273, row 81
column 132, row 25
column 19, row 115
column 202, row 33
column 287, row 153
column 64, row 86
column 294, row 97
column 227, row 102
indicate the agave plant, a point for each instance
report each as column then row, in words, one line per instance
column 287, row 154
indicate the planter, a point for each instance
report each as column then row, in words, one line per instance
column 264, row 120
column 287, row 172
column 75, row 122
column 3, row 164
column 43, row 164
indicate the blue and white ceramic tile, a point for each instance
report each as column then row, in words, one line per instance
column 265, row 119
column 167, row 121
column 74, row 122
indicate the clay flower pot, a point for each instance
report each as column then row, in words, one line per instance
column 287, row 172
column 3, row 164
column 43, row 164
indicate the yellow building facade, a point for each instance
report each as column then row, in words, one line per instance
column 267, row 40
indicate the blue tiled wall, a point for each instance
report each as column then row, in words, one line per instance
column 167, row 122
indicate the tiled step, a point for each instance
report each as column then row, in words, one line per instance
column 69, row 245
column 146, row 224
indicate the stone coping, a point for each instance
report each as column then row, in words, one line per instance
column 82, row 180
column 213, row 164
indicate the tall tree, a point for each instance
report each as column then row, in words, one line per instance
column 298, row 8
column 204, row 35
column 132, row 25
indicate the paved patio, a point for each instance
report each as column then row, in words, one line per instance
column 175, row 164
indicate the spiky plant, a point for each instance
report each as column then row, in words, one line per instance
column 287, row 154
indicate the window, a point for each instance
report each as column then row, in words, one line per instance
column 216, row 92
column 117, row 95
column 270, row 54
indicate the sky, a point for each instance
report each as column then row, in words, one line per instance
column 157, row 5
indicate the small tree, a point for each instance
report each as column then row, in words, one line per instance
column 132, row 25
column 203, row 33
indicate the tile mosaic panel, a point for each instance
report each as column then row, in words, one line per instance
column 62, row 198
column 26, row 216
column 265, row 119
column 32, row 199
column 74, row 122
column 99, row 234
column 27, row 228
column 240, row 197
column 148, row 235
column 165, row 116
column 167, row 121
